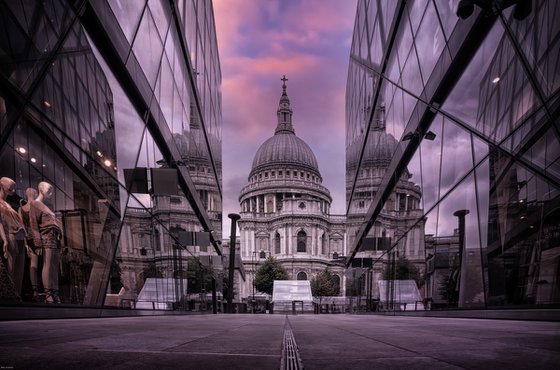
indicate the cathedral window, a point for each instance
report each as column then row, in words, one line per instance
column 279, row 173
column 301, row 275
column 278, row 202
column 402, row 202
column 157, row 245
column 277, row 244
column 324, row 244
column 302, row 242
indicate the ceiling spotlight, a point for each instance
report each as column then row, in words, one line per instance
column 99, row 154
column 522, row 9
column 33, row 160
column 21, row 150
column 107, row 163
column 408, row 136
column 47, row 104
column 465, row 8
column 430, row 136
column 496, row 80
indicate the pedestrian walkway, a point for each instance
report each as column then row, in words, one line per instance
column 260, row 341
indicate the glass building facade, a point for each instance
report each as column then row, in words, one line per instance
column 468, row 153
column 110, row 152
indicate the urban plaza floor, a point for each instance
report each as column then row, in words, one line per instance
column 246, row 341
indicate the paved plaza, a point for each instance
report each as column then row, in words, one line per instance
column 259, row 341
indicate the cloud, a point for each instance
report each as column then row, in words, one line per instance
column 259, row 42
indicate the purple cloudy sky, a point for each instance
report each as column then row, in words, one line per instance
column 259, row 41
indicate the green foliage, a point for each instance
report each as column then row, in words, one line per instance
column 404, row 270
column 270, row 270
column 115, row 277
column 199, row 277
column 324, row 284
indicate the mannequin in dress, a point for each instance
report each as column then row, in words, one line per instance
column 33, row 252
column 46, row 234
column 14, row 247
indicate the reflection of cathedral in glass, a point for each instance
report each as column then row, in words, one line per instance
column 397, row 223
column 285, row 209
column 58, row 127
column 84, row 104
column 472, row 105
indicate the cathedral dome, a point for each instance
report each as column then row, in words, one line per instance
column 284, row 149
column 379, row 150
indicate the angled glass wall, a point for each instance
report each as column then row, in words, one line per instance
column 110, row 154
column 461, row 117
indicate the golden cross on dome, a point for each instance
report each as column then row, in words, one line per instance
column 284, row 79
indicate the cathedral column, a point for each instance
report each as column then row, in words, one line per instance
column 314, row 241
column 289, row 241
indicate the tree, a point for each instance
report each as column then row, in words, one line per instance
column 404, row 270
column 199, row 277
column 324, row 285
column 115, row 277
column 270, row 270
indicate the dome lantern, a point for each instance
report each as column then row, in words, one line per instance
column 284, row 112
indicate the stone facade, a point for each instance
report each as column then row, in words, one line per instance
column 285, row 209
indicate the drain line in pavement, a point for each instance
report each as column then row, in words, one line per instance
column 291, row 359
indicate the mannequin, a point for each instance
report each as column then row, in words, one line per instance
column 14, row 247
column 46, row 234
column 33, row 252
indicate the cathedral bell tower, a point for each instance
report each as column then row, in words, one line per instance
column 284, row 112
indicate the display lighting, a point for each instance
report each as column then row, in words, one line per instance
column 410, row 135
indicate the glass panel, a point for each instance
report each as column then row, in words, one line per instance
column 493, row 94
column 538, row 36
column 148, row 48
column 545, row 154
column 522, row 236
column 161, row 16
column 128, row 15
column 447, row 14
column 429, row 42
column 430, row 152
